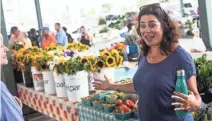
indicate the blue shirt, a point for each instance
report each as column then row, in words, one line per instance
column 10, row 110
column 155, row 84
column 61, row 38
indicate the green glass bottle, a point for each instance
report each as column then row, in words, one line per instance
column 181, row 87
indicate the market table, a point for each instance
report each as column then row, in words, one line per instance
column 59, row 109
column 90, row 114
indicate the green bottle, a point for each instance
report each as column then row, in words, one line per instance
column 181, row 87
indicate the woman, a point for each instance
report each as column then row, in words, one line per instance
column 24, row 38
column 155, row 79
column 10, row 106
column 85, row 38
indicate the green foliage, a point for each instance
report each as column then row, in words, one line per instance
column 103, row 29
column 204, row 73
column 102, row 21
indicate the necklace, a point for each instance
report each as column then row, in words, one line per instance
column 152, row 58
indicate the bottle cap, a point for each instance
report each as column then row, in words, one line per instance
column 180, row 72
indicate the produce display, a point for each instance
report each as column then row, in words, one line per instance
column 122, row 105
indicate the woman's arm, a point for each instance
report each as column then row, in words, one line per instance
column 106, row 85
column 128, row 88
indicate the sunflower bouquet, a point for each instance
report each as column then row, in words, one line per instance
column 41, row 60
column 110, row 58
column 59, row 64
column 54, row 48
column 18, row 59
column 70, row 66
column 76, row 46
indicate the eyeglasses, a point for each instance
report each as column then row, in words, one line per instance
column 153, row 6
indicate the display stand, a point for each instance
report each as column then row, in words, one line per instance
column 57, row 108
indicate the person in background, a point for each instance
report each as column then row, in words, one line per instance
column 60, row 35
column 48, row 39
column 131, row 42
column 24, row 38
column 33, row 37
column 136, row 26
column 10, row 108
column 14, row 38
column 70, row 39
column 197, row 45
column 155, row 79
column 85, row 38
column 15, row 44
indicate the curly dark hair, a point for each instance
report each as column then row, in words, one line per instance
column 170, row 31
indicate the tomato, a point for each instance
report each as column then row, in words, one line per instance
column 129, row 103
column 118, row 102
column 127, row 110
column 122, row 107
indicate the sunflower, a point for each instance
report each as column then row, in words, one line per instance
column 110, row 61
column 100, row 64
column 61, row 61
column 120, row 60
column 105, row 52
column 115, row 52
column 83, row 60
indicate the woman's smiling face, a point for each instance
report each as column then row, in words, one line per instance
column 151, row 30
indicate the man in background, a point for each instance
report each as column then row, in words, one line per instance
column 33, row 37
column 15, row 44
column 14, row 38
column 70, row 39
column 61, row 35
column 48, row 39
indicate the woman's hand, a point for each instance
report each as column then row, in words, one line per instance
column 18, row 101
column 101, row 84
column 186, row 102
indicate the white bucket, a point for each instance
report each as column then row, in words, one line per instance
column 60, row 85
column 37, row 79
column 77, row 85
column 108, row 72
column 49, row 84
